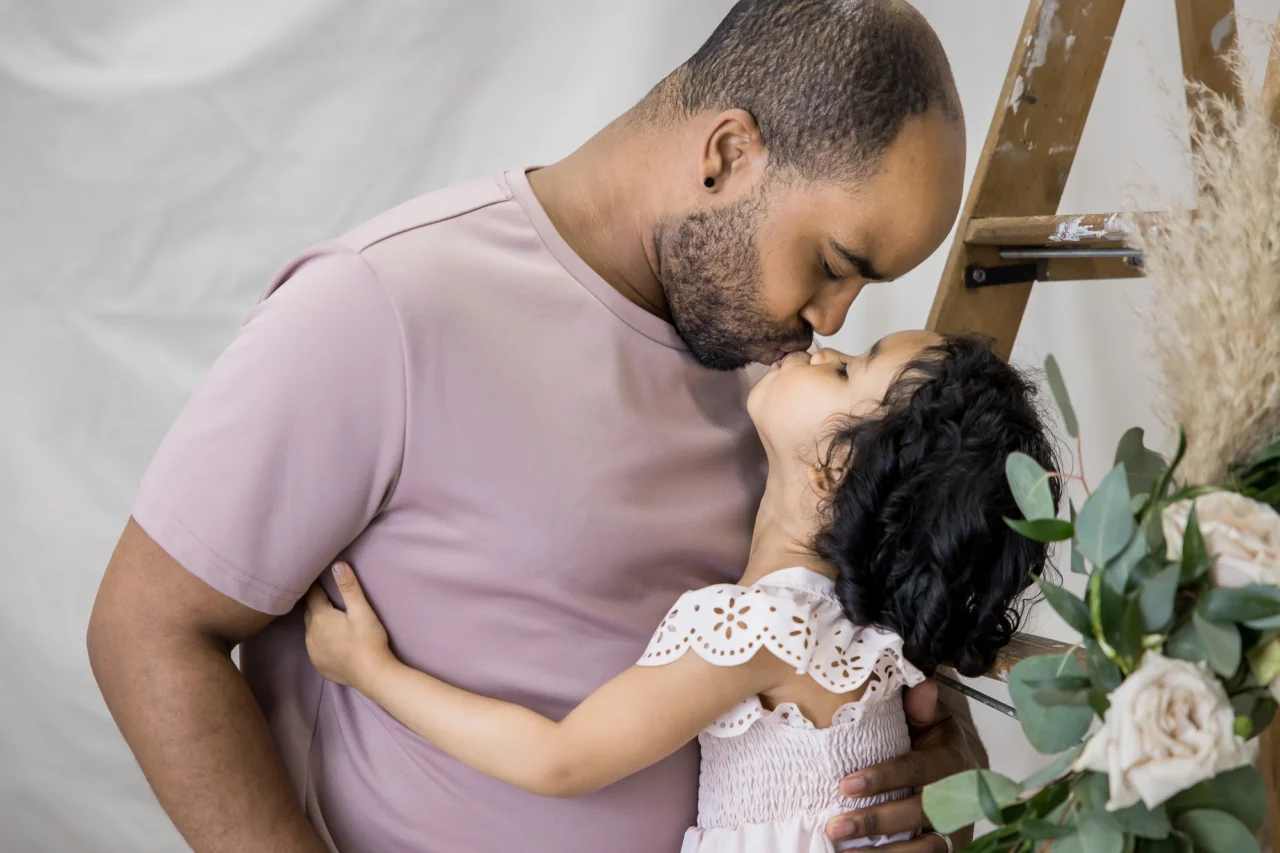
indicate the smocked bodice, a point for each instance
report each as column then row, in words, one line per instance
column 770, row 767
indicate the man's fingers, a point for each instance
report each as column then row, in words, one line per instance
column 921, row 703
column 913, row 770
column 928, row 843
column 885, row 818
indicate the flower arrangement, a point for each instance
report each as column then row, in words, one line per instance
column 1178, row 664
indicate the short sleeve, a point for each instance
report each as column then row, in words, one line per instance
column 293, row 442
column 727, row 624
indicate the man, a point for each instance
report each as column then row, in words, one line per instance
column 522, row 513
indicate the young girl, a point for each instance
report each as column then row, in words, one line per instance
column 879, row 553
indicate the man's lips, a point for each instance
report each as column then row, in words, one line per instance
column 782, row 352
column 783, row 356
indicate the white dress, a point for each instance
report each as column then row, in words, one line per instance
column 769, row 780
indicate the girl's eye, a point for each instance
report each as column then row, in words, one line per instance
column 843, row 370
column 828, row 271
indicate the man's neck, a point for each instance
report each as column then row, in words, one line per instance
column 601, row 211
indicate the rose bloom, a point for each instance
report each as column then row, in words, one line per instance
column 1169, row 726
column 1243, row 533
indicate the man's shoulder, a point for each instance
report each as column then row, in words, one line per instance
column 417, row 247
column 443, row 205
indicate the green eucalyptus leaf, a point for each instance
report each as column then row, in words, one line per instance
column 1111, row 609
column 1092, row 790
column 1094, row 834
column 1050, row 729
column 1153, row 533
column 1052, row 697
column 1030, row 486
column 1042, row 529
column 1222, row 642
column 1041, row 830
column 1119, row 571
column 1143, row 465
column 1185, row 644
column 953, row 803
column 1263, row 714
column 1099, row 701
column 987, row 802
column 1165, row 845
column 1213, row 831
column 1143, row 822
column 1072, row 610
column 1162, row 484
column 1105, row 525
column 1148, row 567
column 1157, row 598
column 1102, row 669
column 1268, row 454
column 1077, row 559
column 1052, row 772
column 1196, row 561
column 1245, row 604
column 1061, row 682
column 1131, row 631
column 1059, row 390
column 1238, row 792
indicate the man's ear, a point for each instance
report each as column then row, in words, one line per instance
column 733, row 154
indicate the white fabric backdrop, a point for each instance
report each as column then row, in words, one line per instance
column 159, row 160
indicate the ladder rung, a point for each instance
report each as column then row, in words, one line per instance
column 1087, row 230
column 1024, row 646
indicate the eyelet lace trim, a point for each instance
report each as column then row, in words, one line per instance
column 727, row 625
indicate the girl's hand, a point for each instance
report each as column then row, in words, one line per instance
column 348, row 648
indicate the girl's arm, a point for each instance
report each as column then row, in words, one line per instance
column 635, row 720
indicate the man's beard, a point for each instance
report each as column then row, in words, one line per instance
column 710, row 271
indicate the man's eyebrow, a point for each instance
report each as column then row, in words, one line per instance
column 861, row 264
column 875, row 350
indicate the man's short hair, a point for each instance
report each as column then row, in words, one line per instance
column 829, row 82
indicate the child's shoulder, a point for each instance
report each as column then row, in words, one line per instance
column 794, row 614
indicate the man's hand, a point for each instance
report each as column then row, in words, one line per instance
column 931, row 758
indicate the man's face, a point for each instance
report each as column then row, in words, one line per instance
column 754, row 276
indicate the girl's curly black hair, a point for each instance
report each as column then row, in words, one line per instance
column 915, row 527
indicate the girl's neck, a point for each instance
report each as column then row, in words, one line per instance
column 786, row 524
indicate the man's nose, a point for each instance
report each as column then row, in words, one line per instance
column 826, row 311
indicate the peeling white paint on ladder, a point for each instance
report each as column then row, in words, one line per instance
column 1039, row 45
column 1076, row 229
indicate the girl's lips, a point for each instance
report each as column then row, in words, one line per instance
column 785, row 356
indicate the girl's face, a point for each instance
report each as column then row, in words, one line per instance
column 801, row 399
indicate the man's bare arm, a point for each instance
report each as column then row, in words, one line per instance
column 160, row 643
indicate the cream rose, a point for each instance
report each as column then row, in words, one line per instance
column 1243, row 533
column 1169, row 726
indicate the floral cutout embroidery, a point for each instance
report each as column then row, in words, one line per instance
column 727, row 624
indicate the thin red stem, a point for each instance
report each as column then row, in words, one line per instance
column 1080, row 456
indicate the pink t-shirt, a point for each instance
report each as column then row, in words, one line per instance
column 526, row 469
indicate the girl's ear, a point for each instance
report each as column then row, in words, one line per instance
column 824, row 479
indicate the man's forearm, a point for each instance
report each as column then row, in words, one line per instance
column 201, row 741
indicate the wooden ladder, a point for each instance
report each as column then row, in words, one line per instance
column 1010, row 234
